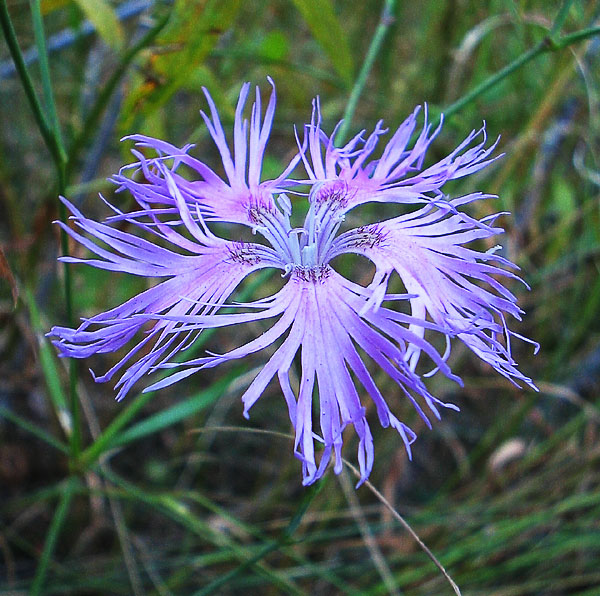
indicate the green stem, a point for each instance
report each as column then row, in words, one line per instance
column 496, row 78
column 17, row 56
column 572, row 38
column 75, row 437
column 50, row 132
column 55, row 528
column 386, row 19
column 561, row 17
column 548, row 44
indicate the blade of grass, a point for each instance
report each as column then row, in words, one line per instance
column 332, row 36
column 55, row 527
column 172, row 506
column 285, row 537
column 102, row 15
column 35, row 430
column 40, row 40
column 176, row 413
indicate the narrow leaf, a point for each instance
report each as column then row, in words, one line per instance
column 193, row 30
column 101, row 14
column 327, row 30
column 178, row 412
column 49, row 366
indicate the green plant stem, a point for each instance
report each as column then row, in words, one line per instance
column 548, row 44
column 572, row 38
column 17, row 56
column 75, row 438
column 50, row 131
column 386, row 19
column 561, row 17
column 52, row 536
column 64, row 172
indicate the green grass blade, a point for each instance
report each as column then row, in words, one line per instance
column 40, row 42
column 49, row 364
column 327, row 30
column 35, row 430
column 188, row 407
column 55, row 527
column 102, row 15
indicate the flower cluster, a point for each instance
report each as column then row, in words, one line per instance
column 330, row 323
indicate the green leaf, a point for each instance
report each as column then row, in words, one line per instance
column 176, row 413
column 101, row 14
column 49, row 364
column 327, row 30
column 193, row 30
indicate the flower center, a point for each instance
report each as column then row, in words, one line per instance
column 316, row 274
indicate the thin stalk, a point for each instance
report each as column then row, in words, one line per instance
column 407, row 527
column 75, row 438
column 386, row 19
column 36, row 107
column 572, row 38
column 548, row 44
column 561, row 17
column 490, row 82
column 52, row 536
column 50, row 132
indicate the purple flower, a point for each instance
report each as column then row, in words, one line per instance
column 332, row 324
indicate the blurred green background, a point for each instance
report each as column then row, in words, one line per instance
column 169, row 493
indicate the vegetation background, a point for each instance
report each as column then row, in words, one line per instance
column 170, row 493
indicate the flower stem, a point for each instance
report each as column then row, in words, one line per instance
column 386, row 19
column 548, row 44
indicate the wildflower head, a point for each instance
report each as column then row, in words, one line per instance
column 338, row 329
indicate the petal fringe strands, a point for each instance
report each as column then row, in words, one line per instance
column 333, row 325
